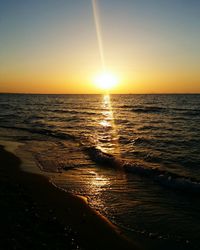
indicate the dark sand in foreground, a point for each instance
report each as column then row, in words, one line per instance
column 37, row 215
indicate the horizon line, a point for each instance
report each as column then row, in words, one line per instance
column 151, row 93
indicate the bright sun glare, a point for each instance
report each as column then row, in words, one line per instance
column 106, row 81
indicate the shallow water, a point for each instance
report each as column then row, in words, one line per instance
column 148, row 183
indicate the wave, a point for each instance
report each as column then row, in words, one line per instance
column 142, row 140
column 147, row 128
column 163, row 142
column 192, row 113
column 73, row 112
column 45, row 132
column 149, row 109
column 162, row 177
column 165, row 178
column 125, row 106
column 102, row 158
column 158, row 110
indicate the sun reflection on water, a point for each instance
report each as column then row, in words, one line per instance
column 99, row 181
column 107, row 138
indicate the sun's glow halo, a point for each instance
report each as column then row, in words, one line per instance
column 106, row 80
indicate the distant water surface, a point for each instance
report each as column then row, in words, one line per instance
column 135, row 157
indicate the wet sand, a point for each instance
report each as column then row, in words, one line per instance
column 37, row 215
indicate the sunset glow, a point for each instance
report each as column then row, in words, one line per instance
column 58, row 46
column 106, row 81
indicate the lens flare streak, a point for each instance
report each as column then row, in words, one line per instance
column 98, row 32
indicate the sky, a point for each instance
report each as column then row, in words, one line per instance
column 51, row 46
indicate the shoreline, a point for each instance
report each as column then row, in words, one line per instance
column 90, row 230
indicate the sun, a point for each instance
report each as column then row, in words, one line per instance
column 106, row 80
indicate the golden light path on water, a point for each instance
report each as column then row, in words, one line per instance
column 109, row 134
column 98, row 180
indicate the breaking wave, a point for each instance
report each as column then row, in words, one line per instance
column 162, row 177
column 102, row 158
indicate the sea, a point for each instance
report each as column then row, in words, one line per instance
column 136, row 158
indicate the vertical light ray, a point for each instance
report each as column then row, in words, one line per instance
column 108, row 120
column 98, row 32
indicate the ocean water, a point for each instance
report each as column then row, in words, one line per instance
column 135, row 157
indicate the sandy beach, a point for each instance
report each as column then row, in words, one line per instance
column 37, row 215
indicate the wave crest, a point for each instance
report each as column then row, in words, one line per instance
column 164, row 178
column 102, row 158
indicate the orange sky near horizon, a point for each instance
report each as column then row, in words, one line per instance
column 53, row 47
